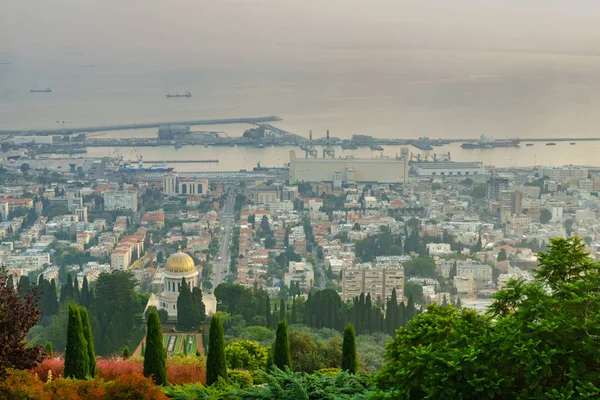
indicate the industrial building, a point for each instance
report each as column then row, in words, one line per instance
column 449, row 168
column 384, row 170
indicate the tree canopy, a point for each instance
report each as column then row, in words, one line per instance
column 538, row 340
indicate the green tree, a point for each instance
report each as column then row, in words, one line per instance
column 281, row 351
column 89, row 338
column 126, row 353
column 545, row 216
column 155, row 356
column 502, row 256
column 216, row 363
column 85, row 298
column 538, row 339
column 349, row 361
column 77, row 364
column 246, row 354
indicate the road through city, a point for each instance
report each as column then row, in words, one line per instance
column 221, row 265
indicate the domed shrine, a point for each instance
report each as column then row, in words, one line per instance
column 178, row 266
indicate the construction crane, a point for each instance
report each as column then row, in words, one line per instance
column 328, row 151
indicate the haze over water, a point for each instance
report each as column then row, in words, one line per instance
column 383, row 68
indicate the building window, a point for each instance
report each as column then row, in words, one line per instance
column 200, row 191
column 184, row 188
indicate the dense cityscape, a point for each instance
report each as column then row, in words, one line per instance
column 311, row 248
column 296, row 200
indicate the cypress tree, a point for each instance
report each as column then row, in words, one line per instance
column 84, row 299
column 458, row 303
column 185, row 309
column 11, row 282
column 410, row 308
column 155, row 356
column 281, row 309
column 52, row 299
column 216, row 366
column 444, row 301
column 268, row 312
column 89, row 338
column 369, row 322
column 198, row 306
column 402, row 316
column 308, row 311
column 281, row 353
column 204, row 341
column 349, row 361
column 76, row 353
column 294, row 311
column 76, row 293
column 24, row 284
column 126, row 353
column 69, row 290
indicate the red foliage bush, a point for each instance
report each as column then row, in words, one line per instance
column 182, row 373
column 134, row 387
column 22, row 385
column 56, row 365
column 115, row 368
column 68, row 389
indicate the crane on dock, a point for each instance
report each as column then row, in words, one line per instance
column 309, row 148
column 328, row 151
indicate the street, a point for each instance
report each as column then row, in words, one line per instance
column 221, row 264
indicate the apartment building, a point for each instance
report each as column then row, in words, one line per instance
column 379, row 279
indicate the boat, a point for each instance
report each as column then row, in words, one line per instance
column 4, row 63
column 186, row 94
column 572, row 143
column 260, row 146
column 529, row 144
column 48, row 90
column 489, row 143
column 423, row 143
column 376, row 147
column 550, row 144
column 138, row 168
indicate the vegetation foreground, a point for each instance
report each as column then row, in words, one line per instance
column 537, row 341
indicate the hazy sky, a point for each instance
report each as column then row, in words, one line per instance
column 273, row 26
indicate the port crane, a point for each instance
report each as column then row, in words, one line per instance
column 328, row 151
column 309, row 148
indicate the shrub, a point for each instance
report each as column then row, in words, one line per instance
column 68, row 389
column 54, row 365
column 182, row 370
column 329, row 371
column 134, row 387
column 115, row 368
column 22, row 385
column 240, row 377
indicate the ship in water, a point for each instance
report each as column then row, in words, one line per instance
column 376, row 147
column 349, row 145
column 489, row 143
column 128, row 168
column 186, row 94
column 423, row 143
column 48, row 90
column 4, row 63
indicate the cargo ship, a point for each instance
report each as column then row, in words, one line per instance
column 488, row 143
column 128, row 168
column 423, row 143
column 376, row 147
column 349, row 145
column 186, row 94
column 48, row 90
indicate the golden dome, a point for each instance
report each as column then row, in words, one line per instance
column 180, row 262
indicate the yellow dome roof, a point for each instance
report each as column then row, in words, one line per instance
column 180, row 262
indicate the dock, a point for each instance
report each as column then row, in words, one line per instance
column 181, row 161
column 83, row 129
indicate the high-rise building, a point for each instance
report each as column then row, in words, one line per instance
column 495, row 186
column 379, row 279
column 82, row 213
column 170, row 183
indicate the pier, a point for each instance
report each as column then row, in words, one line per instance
column 181, row 161
column 66, row 131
